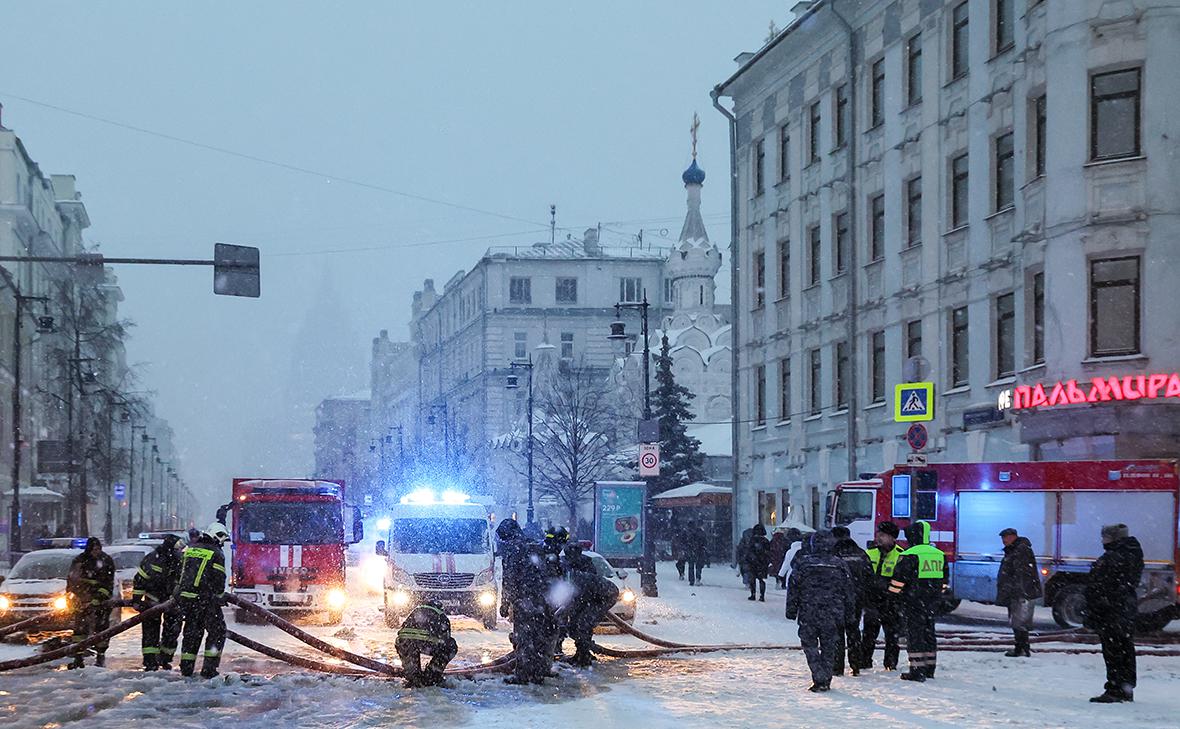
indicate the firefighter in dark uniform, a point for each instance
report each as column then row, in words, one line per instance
column 592, row 597
column 918, row 582
column 511, row 543
column 880, row 610
column 90, row 584
column 200, row 593
column 425, row 630
column 159, row 571
column 532, row 618
column 554, row 567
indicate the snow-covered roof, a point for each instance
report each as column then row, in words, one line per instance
column 692, row 490
column 716, row 438
column 36, row 493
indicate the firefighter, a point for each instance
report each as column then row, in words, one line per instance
column 880, row 610
column 159, row 571
column 425, row 630
column 200, row 593
column 532, row 618
column 90, row 584
column 918, row 581
column 592, row 596
column 559, row 591
column 511, row 545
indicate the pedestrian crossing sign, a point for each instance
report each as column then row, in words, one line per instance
column 913, row 401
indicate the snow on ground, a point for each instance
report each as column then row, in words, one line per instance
column 734, row 688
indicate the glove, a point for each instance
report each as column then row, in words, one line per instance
column 504, row 609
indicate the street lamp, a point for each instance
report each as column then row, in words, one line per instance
column 513, row 383
column 44, row 324
column 152, row 485
column 618, row 333
column 131, row 478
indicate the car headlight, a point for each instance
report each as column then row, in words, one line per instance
column 5, row 603
column 337, row 598
column 401, row 598
column 487, row 598
column 61, row 602
column 628, row 596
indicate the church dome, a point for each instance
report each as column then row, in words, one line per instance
column 694, row 175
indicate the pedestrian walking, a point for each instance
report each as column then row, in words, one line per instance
column 427, row 629
column 758, row 562
column 679, row 553
column 696, row 546
column 779, row 544
column 861, row 571
column 200, row 593
column 880, row 610
column 918, row 582
column 90, row 583
column 1112, row 603
column 159, row 572
column 821, row 597
column 1018, row 586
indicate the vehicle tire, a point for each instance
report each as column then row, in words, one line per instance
column 490, row 618
column 1069, row 606
column 1153, row 622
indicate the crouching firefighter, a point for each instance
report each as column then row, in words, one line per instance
column 90, row 582
column 918, row 582
column 156, row 580
column 425, row 630
column 593, row 596
column 200, row 593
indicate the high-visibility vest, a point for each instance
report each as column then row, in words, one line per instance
column 931, row 561
column 885, row 567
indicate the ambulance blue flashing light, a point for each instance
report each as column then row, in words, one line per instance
column 427, row 496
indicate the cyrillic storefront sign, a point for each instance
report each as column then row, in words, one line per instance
column 1098, row 389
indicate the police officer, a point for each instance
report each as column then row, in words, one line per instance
column 425, row 630
column 592, row 597
column 159, row 571
column 200, row 593
column 880, row 611
column 918, row 580
column 90, row 583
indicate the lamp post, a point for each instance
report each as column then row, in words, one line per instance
column 131, row 479
column 155, row 461
column 513, row 383
column 618, row 333
column 14, row 542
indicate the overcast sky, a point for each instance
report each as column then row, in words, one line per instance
column 502, row 107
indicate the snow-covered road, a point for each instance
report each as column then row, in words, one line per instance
column 753, row 689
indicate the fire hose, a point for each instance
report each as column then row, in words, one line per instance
column 293, row 659
column 96, row 639
column 48, row 614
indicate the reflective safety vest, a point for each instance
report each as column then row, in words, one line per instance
column 931, row 561
column 884, row 567
column 205, row 558
column 418, row 625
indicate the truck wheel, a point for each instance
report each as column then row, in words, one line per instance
column 1069, row 607
column 489, row 619
column 1153, row 622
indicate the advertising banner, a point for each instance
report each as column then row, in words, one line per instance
column 619, row 528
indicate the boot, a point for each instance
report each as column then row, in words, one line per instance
column 77, row 662
column 1111, row 697
column 582, row 658
column 415, row 680
column 914, row 675
column 100, row 660
column 209, row 667
column 187, row 666
column 151, row 661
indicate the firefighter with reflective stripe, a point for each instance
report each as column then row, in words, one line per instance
column 591, row 598
column 90, row 584
column 200, row 593
column 425, row 630
column 159, row 571
column 918, row 581
column 880, row 610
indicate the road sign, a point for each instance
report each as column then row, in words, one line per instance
column 235, row 270
column 915, row 459
column 120, row 491
column 913, row 401
column 649, row 459
column 917, row 436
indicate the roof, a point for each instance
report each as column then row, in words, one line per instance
column 575, row 249
column 36, row 493
column 692, row 490
column 716, row 438
column 795, row 23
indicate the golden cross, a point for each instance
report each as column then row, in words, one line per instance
column 696, row 123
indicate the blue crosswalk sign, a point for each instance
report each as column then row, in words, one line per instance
column 913, row 402
column 120, row 491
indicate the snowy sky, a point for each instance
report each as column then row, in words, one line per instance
column 504, row 107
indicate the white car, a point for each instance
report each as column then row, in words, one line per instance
column 37, row 584
column 628, row 597
column 127, row 558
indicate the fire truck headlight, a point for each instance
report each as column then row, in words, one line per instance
column 337, row 598
column 628, row 596
column 401, row 598
column 487, row 598
column 5, row 603
column 60, row 603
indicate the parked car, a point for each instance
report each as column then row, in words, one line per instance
column 37, row 584
column 628, row 597
column 127, row 558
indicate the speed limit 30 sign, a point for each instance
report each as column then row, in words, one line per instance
column 649, row 459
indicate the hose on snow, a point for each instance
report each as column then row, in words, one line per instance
column 79, row 647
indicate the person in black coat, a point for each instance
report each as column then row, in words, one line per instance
column 533, row 621
column 159, row 571
column 1018, row 586
column 740, row 552
column 758, row 562
column 591, row 597
column 861, row 571
column 1112, row 601
column 427, row 629
column 679, row 555
column 822, row 598
column 696, row 546
column 510, row 546
column 90, row 583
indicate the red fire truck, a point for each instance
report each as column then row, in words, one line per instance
column 1059, row 506
column 290, row 538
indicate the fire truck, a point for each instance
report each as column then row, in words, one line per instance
column 1059, row 506
column 289, row 543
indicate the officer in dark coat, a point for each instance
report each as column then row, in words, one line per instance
column 917, row 583
column 1112, row 602
column 425, row 630
column 879, row 609
column 861, row 570
column 90, row 584
column 591, row 596
column 532, row 618
column 511, row 546
column 740, row 552
column 159, row 571
column 1018, row 586
column 821, row 596
column 200, row 593
column 758, row 561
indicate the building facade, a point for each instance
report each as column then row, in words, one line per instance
column 976, row 193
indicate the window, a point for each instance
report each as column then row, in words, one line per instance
column 1005, row 335
column 630, row 290
column 913, row 70
column 877, row 96
column 759, row 279
column 813, row 133
column 1005, row 172
column 877, row 366
column 759, row 167
column 784, row 153
column 960, row 38
column 959, row 350
column 520, row 290
column 669, row 291
column 1005, row 18
column 959, row 186
column 567, row 345
column 784, row 389
column 814, row 405
column 1038, row 317
column 567, row 290
column 1114, row 115
column 913, row 211
column 841, row 235
column 841, row 115
column 520, row 345
column 843, row 375
column 877, row 228
column 784, row 269
column 760, row 395
column 1114, row 306
column 814, row 252
column 913, row 338
column 1039, row 140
